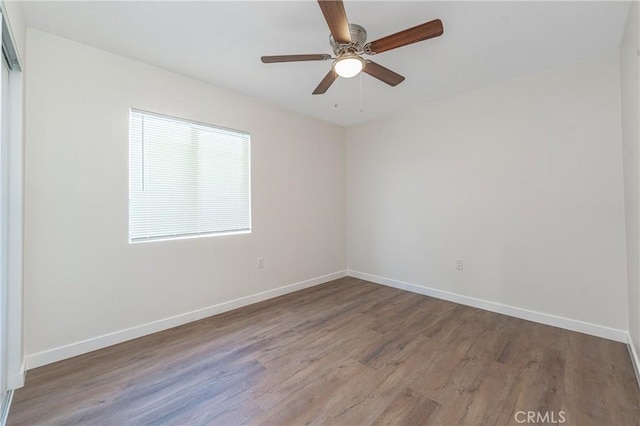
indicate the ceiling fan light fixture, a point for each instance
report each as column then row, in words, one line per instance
column 348, row 65
column 349, row 41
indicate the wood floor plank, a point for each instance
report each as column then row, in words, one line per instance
column 409, row 408
column 348, row 352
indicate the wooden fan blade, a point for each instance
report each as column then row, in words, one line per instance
column 336, row 18
column 294, row 58
column 411, row 35
column 382, row 73
column 326, row 82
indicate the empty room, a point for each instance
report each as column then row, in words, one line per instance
column 329, row 212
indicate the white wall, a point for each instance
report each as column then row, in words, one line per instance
column 82, row 278
column 630, row 92
column 523, row 180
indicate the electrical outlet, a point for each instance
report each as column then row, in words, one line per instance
column 260, row 263
column 459, row 264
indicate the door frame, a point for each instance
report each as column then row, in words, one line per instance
column 15, row 368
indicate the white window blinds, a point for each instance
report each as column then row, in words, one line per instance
column 186, row 178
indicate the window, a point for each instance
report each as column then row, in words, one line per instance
column 186, row 178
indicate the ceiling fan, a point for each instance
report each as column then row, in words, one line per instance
column 349, row 44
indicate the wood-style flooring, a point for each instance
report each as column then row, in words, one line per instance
column 348, row 352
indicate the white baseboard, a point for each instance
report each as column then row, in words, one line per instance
column 548, row 319
column 16, row 381
column 63, row 352
column 635, row 360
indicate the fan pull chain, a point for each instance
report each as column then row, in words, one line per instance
column 361, row 96
column 337, row 93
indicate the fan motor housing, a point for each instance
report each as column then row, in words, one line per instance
column 358, row 39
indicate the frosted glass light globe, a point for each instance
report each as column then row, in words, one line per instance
column 348, row 66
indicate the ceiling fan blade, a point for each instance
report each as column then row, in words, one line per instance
column 326, row 82
column 382, row 73
column 294, row 58
column 411, row 35
column 336, row 17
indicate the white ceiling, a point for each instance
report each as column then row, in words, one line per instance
column 221, row 43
